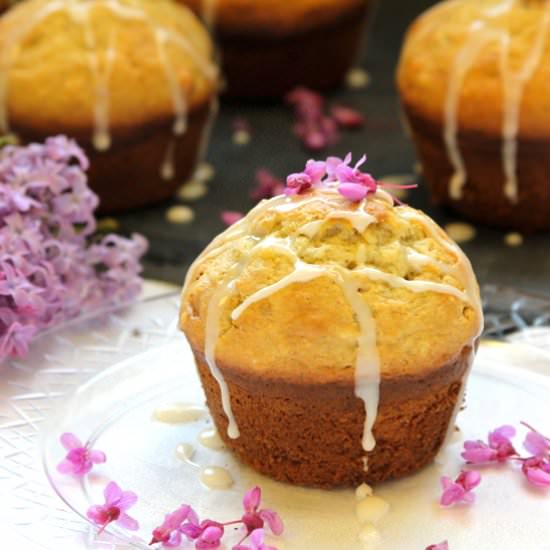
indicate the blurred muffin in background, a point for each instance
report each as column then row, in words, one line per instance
column 474, row 80
column 270, row 46
column 132, row 80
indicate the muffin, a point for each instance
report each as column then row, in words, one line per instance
column 133, row 81
column 269, row 47
column 332, row 338
column 474, row 80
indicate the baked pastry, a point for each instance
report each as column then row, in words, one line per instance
column 269, row 47
column 314, row 309
column 474, row 83
column 133, row 81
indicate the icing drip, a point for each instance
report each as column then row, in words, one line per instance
column 483, row 31
column 211, row 339
column 463, row 63
column 168, row 167
column 178, row 97
column 101, row 66
column 367, row 367
column 514, row 85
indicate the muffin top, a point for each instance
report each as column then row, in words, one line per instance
column 272, row 17
column 71, row 65
column 313, row 286
column 488, row 60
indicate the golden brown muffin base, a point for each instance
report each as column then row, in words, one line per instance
column 310, row 434
column 264, row 67
column 483, row 199
column 127, row 175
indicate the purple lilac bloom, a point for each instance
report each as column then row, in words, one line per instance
column 51, row 269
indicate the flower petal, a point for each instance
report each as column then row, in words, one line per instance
column 70, row 441
column 97, row 457
column 124, row 520
column 452, row 494
column 353, row 191
column 96, row 514
column 538, row 477
column 127, row 500
column 65, row 467
column 274, row 521
column 536, row 444
column 252, row 499
column 112, row 493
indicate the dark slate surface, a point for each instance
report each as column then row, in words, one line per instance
column 173, row 247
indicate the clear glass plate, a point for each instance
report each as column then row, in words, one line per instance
column 103, row 378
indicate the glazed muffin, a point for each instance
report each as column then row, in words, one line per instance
column 268, row 47
column 332, row 338
column 474, row 79
column 133, row 81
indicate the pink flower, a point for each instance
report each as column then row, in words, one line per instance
column 169, row 532
column 117, row 502
column 459, row 490
column 346, row 117
column 303, row 181
column 256, row 542
column 441, row 546
column 499, row 449
column 80, row 459
column 206, row 534
column 229, row 217
column 254, row 518
column 312, row 127
column 267, row 185
column 537, row 471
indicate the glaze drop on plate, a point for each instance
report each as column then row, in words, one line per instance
column 185, row 452
column 210, row 438
column 179, row 413
column 216, row 477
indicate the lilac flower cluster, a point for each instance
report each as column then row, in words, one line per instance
column 51, row 268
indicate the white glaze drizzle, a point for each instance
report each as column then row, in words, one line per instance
column 367, row 368
column 168, row 166
column 481, row 33
column 462, row 65
column 101, row 71
column 367, row 363
column 514, row 85
column 211, row 340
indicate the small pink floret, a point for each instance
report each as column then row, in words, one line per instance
column 459, row 490
column 117, row 502
column 80, row 459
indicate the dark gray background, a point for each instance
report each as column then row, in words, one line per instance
column 273, row 146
